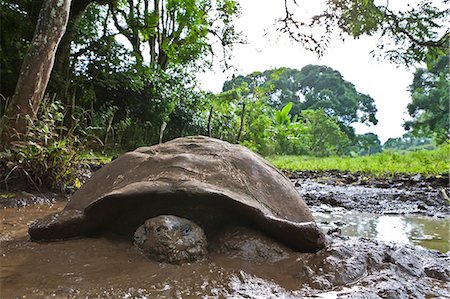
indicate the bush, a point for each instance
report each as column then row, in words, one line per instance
column 49, row 156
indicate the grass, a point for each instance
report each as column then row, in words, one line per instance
column 424, row 162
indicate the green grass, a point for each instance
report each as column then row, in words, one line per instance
column 424, row 162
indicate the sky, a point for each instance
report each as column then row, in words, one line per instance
column 385, row 82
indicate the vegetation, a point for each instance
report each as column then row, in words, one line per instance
column 307, row 111
column 430, row 101
column 123, row 75
column 416, row 34
column 101, row 72
column 49, row 158
column 389, row 163
column 35, row 71
column 312, row 87
column 409, row 142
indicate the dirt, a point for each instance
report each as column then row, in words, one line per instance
column 401, row 195
column 239, row 265
column 335, row 177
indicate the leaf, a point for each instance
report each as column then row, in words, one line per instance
column 77, row 183
column 286, row 109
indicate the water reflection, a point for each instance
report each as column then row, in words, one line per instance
column 393, row 229
column 429, row 232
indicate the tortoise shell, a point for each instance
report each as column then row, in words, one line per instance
column 199, row 178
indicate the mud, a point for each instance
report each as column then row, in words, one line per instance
column 381, row 196
column 19, row 199
column 110, row 268
column 404, row 181
column 425, row 231
column 409, row 209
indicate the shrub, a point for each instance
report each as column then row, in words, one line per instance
column 49, row 156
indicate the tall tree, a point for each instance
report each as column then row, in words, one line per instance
column 313, row 87
column 430, row 101
column 174, row 31
column 60, row 79
column 323, row 134
column 408, row 142
column 17, row 22
column 36, row 69
column 367, row 144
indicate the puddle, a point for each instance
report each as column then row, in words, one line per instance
column 429, row 232
column 413, row 216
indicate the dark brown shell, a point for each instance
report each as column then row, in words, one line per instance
column 199, row 172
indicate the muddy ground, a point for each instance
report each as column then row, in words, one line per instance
column 238, row 266
column 420, row 195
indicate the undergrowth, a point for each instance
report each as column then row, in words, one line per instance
column 424, row 162
column 50, row 156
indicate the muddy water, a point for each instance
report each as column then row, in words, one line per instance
column 429, row 232
column 414, row 215
column 109, row 268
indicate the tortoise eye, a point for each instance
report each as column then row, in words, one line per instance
column 185, row 229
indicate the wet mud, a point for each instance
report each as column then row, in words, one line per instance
column 236, row 267
column 404, row 195
column 409, row 210
column 241, row 263
column 425, row 231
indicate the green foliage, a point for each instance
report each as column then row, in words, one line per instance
column 257, row 124
column 408, row 142
column 226, row 109
column 288, row 134
column 367, row 144
column 430, row 101
column 177, row 33
column 425, row 162
column 17, row 20
column 267, row 130
column 323, row 134
column 47, row 158
column 313, row 87
column 282, row 116
column 419, row 32
column 114, row 98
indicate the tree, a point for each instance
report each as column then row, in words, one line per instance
column 36, row 69
column 368, row 144
column 324, row 135
column 408, row 142
column 62, row 71
column 430, row 101
column 18, row 22
column 416, row 33
column 313, row 87
column 174, row 31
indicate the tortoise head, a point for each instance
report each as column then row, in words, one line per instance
column 168, row 238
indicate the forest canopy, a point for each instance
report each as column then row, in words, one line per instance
column 124, row 74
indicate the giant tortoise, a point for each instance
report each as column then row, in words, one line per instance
column 181, row 192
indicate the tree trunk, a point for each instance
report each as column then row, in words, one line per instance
column 242, row 123
column 211, row 110
column 60, row 78
column 36, row 70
